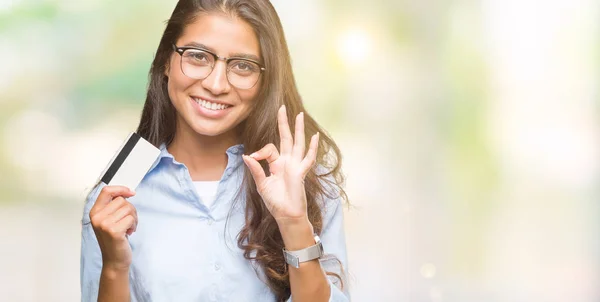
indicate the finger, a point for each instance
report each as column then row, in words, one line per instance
column 299, row 143
column 124, row 225
column 255, row 169
column 108, row 193
column 124, row 214
column 311, row 156
column 111, row 207
column 268, row 152
column 285, row 136
column 126, row 209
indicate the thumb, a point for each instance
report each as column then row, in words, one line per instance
column 255, row 169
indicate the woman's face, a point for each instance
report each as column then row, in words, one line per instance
column 226, row 37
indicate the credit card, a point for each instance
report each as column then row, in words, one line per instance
column 131, row 162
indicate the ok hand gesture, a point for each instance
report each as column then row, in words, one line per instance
column 283, row 191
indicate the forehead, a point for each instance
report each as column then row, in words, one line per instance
column 224, row 34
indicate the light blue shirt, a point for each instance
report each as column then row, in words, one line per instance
column 185, row 251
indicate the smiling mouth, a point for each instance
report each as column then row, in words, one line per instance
column 208, row 105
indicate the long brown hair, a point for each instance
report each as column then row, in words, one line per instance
column 260, row 237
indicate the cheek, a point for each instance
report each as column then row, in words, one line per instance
column 248, row 97
column 177, row 84
column 248, row 102
column 171, row 87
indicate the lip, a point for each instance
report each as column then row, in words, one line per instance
column 209, row 113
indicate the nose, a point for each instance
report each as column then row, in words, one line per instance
column 217, row 82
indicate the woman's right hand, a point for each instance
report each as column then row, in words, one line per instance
column 113, row 218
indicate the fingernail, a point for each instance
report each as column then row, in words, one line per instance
column 253, row 155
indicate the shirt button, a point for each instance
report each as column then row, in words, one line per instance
column 210, row 221
column 217, row 267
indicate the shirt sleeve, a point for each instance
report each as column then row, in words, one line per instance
column 334, row 243
column 91, row 257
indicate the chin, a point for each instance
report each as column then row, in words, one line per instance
column 209, row 131
column 209, row 127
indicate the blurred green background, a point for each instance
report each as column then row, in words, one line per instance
column 470, row 131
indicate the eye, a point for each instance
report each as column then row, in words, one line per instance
column 197, row 57
column 245, row 66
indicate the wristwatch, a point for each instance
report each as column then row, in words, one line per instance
column 294, row 258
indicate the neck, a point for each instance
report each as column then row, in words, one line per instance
column 204, row 156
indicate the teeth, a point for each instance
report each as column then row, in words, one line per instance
column 209, row 105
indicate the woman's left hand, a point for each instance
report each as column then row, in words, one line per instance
column 283, row 191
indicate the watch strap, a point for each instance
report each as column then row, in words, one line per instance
column 294, row 258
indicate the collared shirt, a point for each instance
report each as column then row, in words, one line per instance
column 186, row 251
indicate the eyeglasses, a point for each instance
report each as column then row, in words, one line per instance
column 198, row 63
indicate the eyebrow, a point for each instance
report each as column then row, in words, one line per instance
column 233, row 55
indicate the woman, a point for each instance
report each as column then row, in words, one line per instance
column 209, row 223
